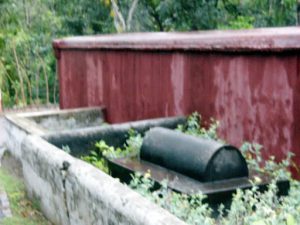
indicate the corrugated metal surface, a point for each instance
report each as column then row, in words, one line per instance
column 251, row 84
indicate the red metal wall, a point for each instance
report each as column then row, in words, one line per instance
column 253, row 91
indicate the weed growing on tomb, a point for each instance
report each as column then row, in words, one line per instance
column 255, row 161
column 131, row 147
column 98, row 156
column 194, row 126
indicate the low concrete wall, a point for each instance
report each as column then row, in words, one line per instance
column 72, row 192
column 15, row 133
column 68, row 119
column 42, row 163
column 93, row 197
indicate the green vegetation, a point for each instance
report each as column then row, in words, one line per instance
column 131, row 148
column 27, row 63
column 249, row 207
column 96, row 157
column 278, row 170
column 24, row 211
column 181, row 15
column 194, row 126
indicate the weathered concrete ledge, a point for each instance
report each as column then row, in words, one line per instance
column 53, row 121
column 82, row 140
column 72, row 192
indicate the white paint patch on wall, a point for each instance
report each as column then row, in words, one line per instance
column 177, row 78
column 253, row 111
column 234, row 96
column 95, row 82
column 275, row 81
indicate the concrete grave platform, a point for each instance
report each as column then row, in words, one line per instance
column 71, row 191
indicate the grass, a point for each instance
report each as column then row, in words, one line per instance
column 24, row 211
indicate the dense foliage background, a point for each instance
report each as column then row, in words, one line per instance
column 27, row 63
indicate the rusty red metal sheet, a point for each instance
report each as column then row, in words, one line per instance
column 255, row 95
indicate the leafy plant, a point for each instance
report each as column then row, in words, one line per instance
column 66, row 149
column 194, row 127
column 131, row 147
column 255, row 161
column 96, row 159
column 98, row 156
column 133, row 144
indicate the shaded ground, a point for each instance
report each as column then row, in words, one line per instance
column 23, row 211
